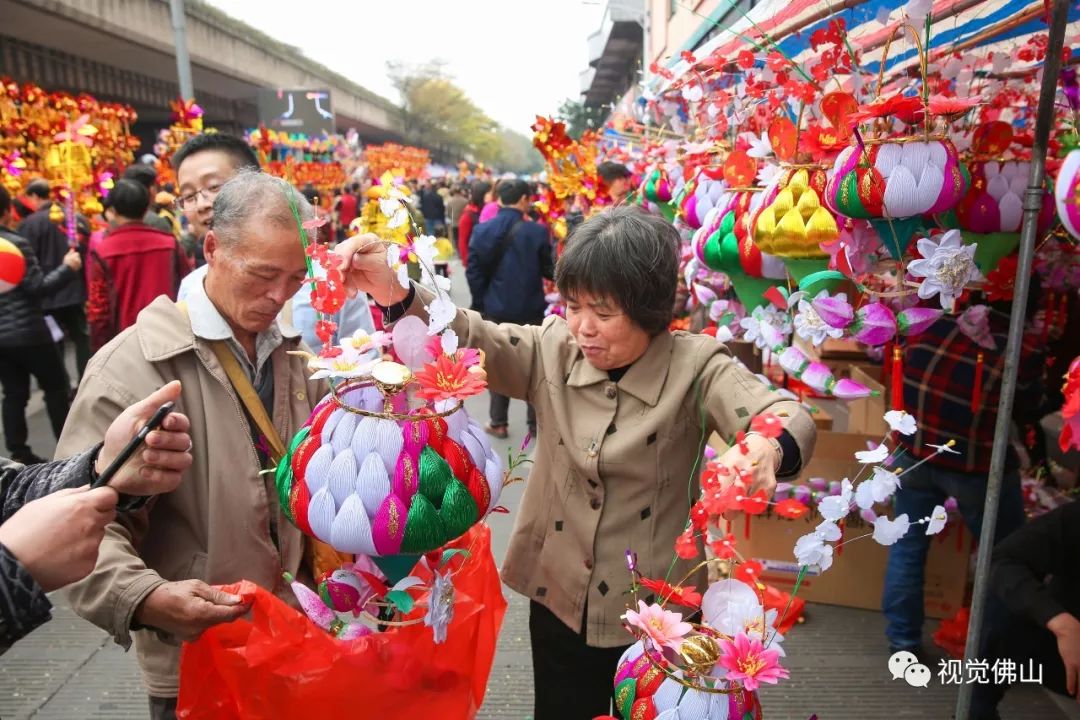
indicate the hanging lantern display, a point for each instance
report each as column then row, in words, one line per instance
column 793, row 222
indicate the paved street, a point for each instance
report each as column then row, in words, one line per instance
column 837, row 658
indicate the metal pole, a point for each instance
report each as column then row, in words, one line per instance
column 1032, row 205
column 183, row 61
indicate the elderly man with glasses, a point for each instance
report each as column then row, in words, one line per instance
column 245, row 395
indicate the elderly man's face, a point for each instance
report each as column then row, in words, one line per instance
column 607, row 336
column 199, row 179
column 253, row 276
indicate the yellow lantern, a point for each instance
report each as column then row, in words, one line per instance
column 70, row 163
column 794, row 223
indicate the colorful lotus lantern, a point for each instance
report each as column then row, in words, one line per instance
column 367, row 475
column 793, row 222
column 991, row 211
column 894, row 179
column 893, row 182
column 1067, row 193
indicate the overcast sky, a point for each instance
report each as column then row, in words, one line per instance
column 514, row 58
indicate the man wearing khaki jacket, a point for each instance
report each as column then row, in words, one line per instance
column 223, row 523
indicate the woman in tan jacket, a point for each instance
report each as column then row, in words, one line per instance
column 624, row 407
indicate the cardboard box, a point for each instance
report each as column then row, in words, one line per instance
column 857, row 576
column 867, row 416
column 822, row 419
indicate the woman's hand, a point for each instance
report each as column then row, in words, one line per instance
column 363, row 264
column 757, row 466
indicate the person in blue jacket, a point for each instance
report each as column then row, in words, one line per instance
column 509, row 258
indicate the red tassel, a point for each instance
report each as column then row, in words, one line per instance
column 976, row 390
column 897, row 373
column 1063, row 311
column 1048, row 319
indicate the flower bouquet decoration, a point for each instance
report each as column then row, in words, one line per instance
column 708, row 660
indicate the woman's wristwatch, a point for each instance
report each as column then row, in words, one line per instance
column 777, row 448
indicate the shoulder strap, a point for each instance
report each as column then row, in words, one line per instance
column 249, row 397
column 504, row 245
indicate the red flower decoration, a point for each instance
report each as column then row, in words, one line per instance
column 685, row 546
column 745, row 60
column 719, row 500
column 906, row 109
column 754, row 504
column 699, row 516
column 951, row 107
column 749, row 572
column 791, row 509
column 1001, row 281
column 767, row 424
column 687, row 597
column 724, row 548
column 448, row 378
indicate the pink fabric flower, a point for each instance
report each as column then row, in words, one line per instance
column 664, row 628
column 747, row 660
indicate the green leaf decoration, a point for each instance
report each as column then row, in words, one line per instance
column 424, row 530
column 435, row 476
column 447, row 554
column 459, row 511
column 402, row 600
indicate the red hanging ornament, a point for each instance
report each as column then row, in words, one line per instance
column 897, row 379
column 976, row 389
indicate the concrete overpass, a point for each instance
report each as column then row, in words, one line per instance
column 122, row 50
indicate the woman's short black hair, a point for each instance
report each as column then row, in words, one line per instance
column 480, row 189
column 130, row 199
column 628, row 257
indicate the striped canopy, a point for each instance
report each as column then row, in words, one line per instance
column 966, row 26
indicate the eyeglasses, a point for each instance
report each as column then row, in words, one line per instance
column 190, row 199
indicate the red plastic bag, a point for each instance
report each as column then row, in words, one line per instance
column 281, row 665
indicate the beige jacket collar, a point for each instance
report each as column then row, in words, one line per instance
column 645, row 378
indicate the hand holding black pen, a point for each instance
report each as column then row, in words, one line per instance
column 163, row 438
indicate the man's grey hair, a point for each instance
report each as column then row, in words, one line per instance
column 255, row 195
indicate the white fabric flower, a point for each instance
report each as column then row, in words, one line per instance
column 724, row 334
column 810, row 326
column 751, row 329
column 395, row 211
column 946, row 448
column 877, row 489
column 887, row 532
column 937, row 520
column 836, row 507
column 899, row 421
column 873, row 457
column 812, row 551
column 449, row 342
column 946, row 267
column 760, row 147
column 424, row 250
column 440, row 611
column 441, row 313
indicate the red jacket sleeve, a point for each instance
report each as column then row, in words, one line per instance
column 465, row 228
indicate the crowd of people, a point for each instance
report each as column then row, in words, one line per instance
column 205, row 283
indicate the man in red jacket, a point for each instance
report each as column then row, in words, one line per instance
column 131, row 266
